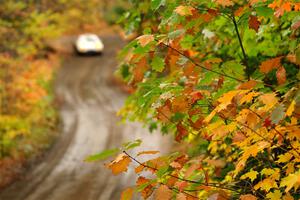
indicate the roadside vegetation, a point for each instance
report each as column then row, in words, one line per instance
column 223, row 77
column 28, row 116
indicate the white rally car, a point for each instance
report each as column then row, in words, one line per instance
column 88, row 43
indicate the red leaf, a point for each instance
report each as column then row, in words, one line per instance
column 181, row 132
column 254, row 23
column 195, row 96
column 267, row 122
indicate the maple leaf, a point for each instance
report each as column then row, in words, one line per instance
column 281, row 75
column 127, row 194
column 292, row 180
column 266, row 184
column 291, row 109
column 248, row 85
column 145, row 39
column 164, row 112
column 195, row 96
column 120, row 164
column 145, row 186
column 221, row 195
column 139, row 169
column 224, row 3
column 270, row 100
column 288, row 196
column 274, row 195
column 163, row 193
column 283, row 158
column 181, row 185
column 184, row 10
column 247, row 197
column 268, row 65
column 254, row 23
column 252, row 175
column 181, row 132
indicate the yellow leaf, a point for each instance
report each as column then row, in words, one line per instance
column 292, row 180
column 266, row 184
column 248, row 197
column 210, row 116
column 291, row 108
column 251, row 175
column 274, row 195
column 145, row 39
column 226, row 99
column 248, row 97
column 163, row 193
column 127, row 194
column 270, row 100
column 284, row 158
column 267, row 171
column 120, row 164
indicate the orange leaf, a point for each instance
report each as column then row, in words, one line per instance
column 147, row 191
column 120, row 164
column 147, row 152
column 184, row 10
column 163, row 193
column 248, row 197
column 254, row 23
column 164, row 112
column 221, row 195
column 224, row 3
column 145, row 39
column 139, row 168
column 248, row 85
column 281, row 75
column 287, row 6
column 181, row 185
column 270, row 64
column 181, row 132
column 127, row 194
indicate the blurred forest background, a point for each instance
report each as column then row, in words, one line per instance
column 28, row 118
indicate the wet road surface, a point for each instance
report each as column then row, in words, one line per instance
column 88, row 112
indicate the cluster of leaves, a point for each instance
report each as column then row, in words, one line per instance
column 223, row 76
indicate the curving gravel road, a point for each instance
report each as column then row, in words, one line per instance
column 90, row 102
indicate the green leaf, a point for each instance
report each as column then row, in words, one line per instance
column 278, row 114
column 158, row 64
column 176, row 34
column 264, row 11
column 103, row 155
column 156, row 4
column 133, row 144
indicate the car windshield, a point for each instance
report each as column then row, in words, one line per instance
column 90, row 39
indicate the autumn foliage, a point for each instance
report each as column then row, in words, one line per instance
column 223, row 77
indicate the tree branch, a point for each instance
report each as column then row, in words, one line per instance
column 242, row 47
column 182, row 179
column 198, row 65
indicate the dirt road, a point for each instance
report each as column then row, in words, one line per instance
column 88, row 112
